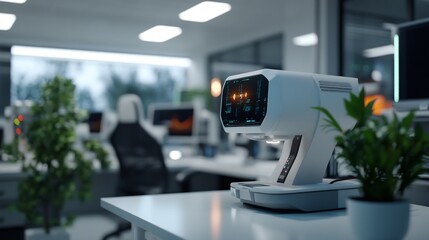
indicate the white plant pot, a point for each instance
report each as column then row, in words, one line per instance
column 57, row 233
column 378, row 220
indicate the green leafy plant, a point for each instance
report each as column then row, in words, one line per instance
column 385, row 155
column 56, row 170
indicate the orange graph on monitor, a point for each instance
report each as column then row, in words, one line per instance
column 180, row 127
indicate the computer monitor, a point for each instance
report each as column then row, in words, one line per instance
column 180, row 121
column 95, row 122
column 2, row 130
column 98, row 125
column 411, row 76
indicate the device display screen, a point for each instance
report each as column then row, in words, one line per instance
column 244, row 101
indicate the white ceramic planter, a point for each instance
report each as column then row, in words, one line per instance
column 378, row 220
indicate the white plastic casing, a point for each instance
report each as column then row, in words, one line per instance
column 291, row 97
column 297, row 181
column 290, row 112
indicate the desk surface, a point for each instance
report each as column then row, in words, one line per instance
column 232, row 165
column 217, row 215
column 257, row 170
column 235, row 164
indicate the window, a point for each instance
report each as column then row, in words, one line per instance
column 98, row 84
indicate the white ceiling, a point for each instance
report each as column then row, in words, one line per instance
column 114, row 25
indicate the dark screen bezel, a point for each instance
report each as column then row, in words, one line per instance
column 243, row 124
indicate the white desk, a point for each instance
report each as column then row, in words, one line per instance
column 257, row 170
column 233, row 165
column 217, row 215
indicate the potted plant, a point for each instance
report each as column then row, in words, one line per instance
column 386, row 156
column 56, row 169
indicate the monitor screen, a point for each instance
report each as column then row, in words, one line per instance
column 94, row 121
column 1, row 136
column 412, row 66
column 244, row 101
column 178, row 119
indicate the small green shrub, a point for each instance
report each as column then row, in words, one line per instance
column 56, row 171
column 386, row 155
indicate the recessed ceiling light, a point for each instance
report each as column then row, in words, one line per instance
column 205, row 11
column 100, row 56
column 14, row 1
column 6, row 21
column 306, row 40
column 160, row 33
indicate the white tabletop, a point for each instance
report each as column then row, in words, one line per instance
column 235, row 164
column 217, row 215
column 223, row 165
column 256, row 170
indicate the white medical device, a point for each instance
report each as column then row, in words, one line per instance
column 276, row 105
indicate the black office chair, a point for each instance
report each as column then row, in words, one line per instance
column 142, row 167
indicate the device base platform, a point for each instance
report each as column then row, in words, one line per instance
column 307, row 198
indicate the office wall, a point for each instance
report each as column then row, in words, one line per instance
column 197, row 74
column 329, row 37
column 312, row 16
column 5, row 83
column 301, row 19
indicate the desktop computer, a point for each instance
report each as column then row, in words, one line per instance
column 190, row 130
column 181, row 125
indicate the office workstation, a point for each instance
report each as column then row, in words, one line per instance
column 210, row 133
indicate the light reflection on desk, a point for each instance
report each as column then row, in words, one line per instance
column 215, row 217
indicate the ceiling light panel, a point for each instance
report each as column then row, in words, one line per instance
column 205, row 11
column 6, row 21
column 14, row 1
column 160, row 33
column 306, row 40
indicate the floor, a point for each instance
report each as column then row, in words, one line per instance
column 94, row 227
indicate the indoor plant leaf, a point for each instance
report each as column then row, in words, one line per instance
column 385, row 155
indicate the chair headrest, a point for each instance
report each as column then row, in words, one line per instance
column 129, row 109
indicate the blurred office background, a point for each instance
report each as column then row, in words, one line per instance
column 338, row 37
